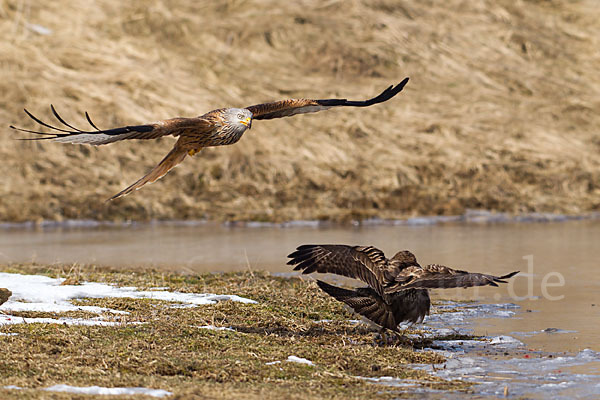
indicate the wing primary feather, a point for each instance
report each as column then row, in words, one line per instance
column 76, row 131
column 58, row 117
column 87, row 116
column 507, row 275
column 383, row 96
column 36, row 119
column 40, row 138
column 54, row 135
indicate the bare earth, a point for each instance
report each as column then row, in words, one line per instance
column 501, row 111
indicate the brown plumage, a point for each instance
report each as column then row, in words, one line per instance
column 216, row 128
column 398, row 287
column 4, row 295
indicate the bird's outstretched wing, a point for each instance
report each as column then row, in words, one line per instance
column 358, row 262
column 405, row 306
column 174, row 127
column 364, row 301
column 286, row 108
column 439, row 277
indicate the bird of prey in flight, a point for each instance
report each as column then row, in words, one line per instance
column 398, row 287
column 216, row 128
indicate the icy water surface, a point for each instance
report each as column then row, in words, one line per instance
column 500, row 366
column 548, row 315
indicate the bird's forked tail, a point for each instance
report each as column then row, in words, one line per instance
column 175, row 156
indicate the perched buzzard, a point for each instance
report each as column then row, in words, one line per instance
column 398, row 287
column 216, row 128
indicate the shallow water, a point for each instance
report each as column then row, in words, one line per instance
column 502, row 366
column 557, row 294
column 543, row 252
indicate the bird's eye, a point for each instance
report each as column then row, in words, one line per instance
column 240, row 116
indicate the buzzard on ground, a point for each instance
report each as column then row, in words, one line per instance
column 398, row 287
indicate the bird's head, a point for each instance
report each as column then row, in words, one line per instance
column 240, row 117
column 405, row 258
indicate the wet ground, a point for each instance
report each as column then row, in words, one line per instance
column 501, row 366
column 548, row 316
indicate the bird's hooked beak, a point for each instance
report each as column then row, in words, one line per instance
column 247, row 122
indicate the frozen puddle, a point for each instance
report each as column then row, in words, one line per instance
column 500, row 366
column 537, row 376
column 43, row 294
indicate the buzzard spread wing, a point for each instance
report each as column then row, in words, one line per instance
column 173, row 126
column 438, row 276
column 286, row 108
column 364, row 301
column 358, row 262
column 405, row 306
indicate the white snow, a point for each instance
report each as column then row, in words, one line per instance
column 10, row 320
column 299, row 360
column 108, row 391
column 504, row 340
column 294, row 359
column 41, row 293
column 391, row 381
column 39, row 29
column 216, row 328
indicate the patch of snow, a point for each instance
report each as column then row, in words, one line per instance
column 41, row 293
column 273, row 363
column 391, row 381
column 11, row 320
column 13, row 387
column 55, row 307
column 8, row 334
column 504, row 340
column 216, row 328
column 109, row 391
column 39, row 29
column 299, row 360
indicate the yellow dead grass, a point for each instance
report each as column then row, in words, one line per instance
column 501, row 111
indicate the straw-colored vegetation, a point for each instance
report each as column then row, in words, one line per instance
column 169, row 351
column 501, row 111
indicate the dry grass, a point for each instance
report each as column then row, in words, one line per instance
column 169, row 351
column 500, row 113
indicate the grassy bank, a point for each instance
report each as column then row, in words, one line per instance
column 166, row 349
column 500, row 113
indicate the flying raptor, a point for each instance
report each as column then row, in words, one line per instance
column 398, row 290
column 216, row 128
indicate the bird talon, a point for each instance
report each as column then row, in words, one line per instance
column 193, row 152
